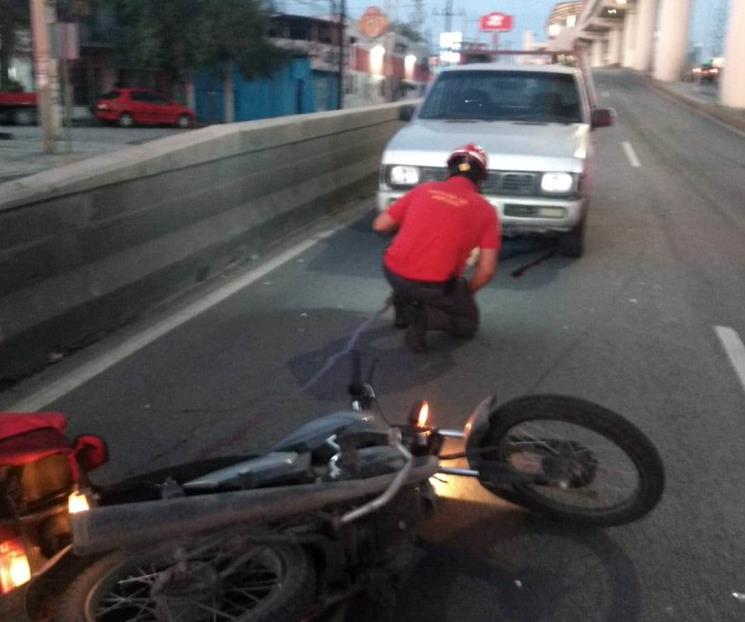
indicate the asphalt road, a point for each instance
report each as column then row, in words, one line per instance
column 630, row 325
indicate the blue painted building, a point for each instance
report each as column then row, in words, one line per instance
column 294, row 89
column 308, row 83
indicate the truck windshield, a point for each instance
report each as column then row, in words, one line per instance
column 504, row 96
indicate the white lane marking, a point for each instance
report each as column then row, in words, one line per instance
column 631, row 154
column 84, row 373
column 734, row 348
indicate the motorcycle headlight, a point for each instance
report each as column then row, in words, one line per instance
column 404, row 175
column 559, row 183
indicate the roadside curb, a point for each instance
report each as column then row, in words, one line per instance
column 720, row 113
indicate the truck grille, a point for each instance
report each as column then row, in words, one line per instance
column 516, row 184
column 498, row 182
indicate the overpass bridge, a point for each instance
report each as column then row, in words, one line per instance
column 652, row 36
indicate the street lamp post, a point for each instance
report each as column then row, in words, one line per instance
column 342, row 19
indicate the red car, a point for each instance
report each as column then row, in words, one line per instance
column 127, row 107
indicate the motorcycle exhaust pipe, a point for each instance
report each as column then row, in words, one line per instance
column 106, row 528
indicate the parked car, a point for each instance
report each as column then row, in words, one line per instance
column 18, row 108
column 533, row 120
column 129, row 106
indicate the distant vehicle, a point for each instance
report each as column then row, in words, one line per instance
column 535, row 123
column 18, row 108
column 706, row 72
column 130, row 106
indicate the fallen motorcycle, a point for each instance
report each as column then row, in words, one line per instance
column 332, row 510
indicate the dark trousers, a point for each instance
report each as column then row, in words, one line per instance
column 449, row 306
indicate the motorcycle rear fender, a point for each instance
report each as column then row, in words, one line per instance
column 477, row 427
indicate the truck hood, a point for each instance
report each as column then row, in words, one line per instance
column 511, row 146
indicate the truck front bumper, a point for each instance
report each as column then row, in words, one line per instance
column 521, row 215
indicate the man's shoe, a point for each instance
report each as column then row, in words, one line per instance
column 416, row 318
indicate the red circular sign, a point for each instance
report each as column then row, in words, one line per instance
column 373, row 23
column 496, row 22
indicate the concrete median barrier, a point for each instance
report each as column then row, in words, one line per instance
column 87, row 247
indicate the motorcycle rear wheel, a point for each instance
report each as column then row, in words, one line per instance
column 610, row 473
column 210, row 578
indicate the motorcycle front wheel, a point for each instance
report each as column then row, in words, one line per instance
column 595, row 467
column 210, row 578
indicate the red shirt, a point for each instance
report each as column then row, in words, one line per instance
column 440, row 223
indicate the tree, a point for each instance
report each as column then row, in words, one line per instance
column 14, row 18
column 237, row 34
column 179, row 36
column 409, row 32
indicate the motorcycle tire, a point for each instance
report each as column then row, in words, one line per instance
column 510, row 420
column 279, row 583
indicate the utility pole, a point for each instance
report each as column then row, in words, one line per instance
column 342, row 20
column 417, row 17
column 47, row 88
column 448, row 13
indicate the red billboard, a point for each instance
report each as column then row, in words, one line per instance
column 496, row 22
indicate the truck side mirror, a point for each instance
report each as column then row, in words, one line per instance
column 602, row 117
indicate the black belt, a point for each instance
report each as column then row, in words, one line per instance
column 446, row 286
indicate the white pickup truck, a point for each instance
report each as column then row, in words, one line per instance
column 535, row 123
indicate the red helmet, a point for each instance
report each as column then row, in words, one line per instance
column 474, row 156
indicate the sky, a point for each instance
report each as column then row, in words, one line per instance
column 528, row 15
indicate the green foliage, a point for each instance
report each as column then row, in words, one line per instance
column 410, row 33
column 237, row 34
column 178, row 36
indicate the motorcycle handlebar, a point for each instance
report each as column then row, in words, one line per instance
column 389, row 492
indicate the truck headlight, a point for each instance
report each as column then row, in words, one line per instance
column 404, row 175
column 559, row 183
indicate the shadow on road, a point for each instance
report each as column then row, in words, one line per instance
column 484, row 559
column 380, row 342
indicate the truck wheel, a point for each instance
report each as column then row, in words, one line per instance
column 572, row 243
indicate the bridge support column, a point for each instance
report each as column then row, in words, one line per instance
column 596, row 53
column 732, row 90
column 672, row 46
column 629, row 38
column 645, row 26
column 615, row 46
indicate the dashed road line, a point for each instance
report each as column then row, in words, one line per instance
column 631, row 154
column 734, row 348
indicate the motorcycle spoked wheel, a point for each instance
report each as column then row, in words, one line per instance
column 604, row 470
column 210, row 578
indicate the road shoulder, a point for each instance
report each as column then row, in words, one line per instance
column 731, row 117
